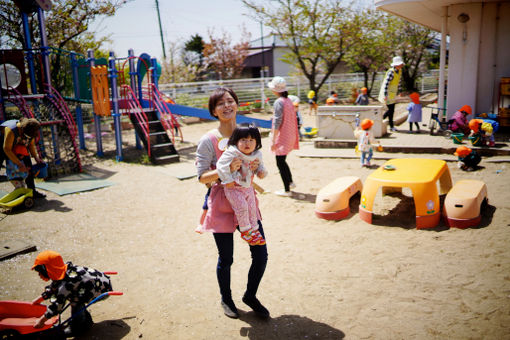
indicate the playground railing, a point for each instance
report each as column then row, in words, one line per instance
column 134, row 108
column 55, row 97
column 168, row 120
column 15, row 97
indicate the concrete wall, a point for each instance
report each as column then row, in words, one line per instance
column 479, row 55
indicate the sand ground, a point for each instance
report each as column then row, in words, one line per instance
column 324, row 279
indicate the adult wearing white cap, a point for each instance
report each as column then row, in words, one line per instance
column 284, row 132
column 389, row 88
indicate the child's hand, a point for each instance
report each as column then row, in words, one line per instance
column 254, row 165
column 261, row 174
column 235, row 164
column 230, row 185
column 40, row 322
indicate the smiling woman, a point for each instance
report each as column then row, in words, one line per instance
column 219, row 217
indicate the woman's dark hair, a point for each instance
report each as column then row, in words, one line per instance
column 41, row 269
column 284, row 94
column 30, row 126
column 246, row 130
column 217, row 95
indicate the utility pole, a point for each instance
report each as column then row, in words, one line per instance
column 161, row 31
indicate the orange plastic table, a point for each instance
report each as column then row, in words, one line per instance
column 418, row 174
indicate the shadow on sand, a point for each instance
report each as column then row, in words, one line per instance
column 286, row 327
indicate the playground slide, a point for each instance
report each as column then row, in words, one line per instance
column 204, row 114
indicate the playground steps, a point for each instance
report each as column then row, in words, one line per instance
column 162, row 150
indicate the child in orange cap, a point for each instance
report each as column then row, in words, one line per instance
column 414, row 109
column 70, row 283
column 468, row 159
column 362, row 97
column 366, row 139
column 483, row 130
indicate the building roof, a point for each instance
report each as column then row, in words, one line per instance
column 424, row 12
column 270, row 40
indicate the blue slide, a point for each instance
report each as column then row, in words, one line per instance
column 204, row 114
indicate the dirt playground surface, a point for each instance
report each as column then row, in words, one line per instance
column 324, row 279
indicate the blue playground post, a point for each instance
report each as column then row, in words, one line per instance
column 132, row 77
column 30, row 54
column 112, row 74
column 79, row 118
column 97, row 119
column 46, row 66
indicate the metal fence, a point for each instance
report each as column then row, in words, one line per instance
column 254, row 90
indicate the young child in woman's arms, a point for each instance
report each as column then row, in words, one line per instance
column 244, row 144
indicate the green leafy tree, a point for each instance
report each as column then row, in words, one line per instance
column 317, row 32
column 192, row 56
column 415, row 47
column 374, row 44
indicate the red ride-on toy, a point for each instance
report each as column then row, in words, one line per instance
column 17, row 319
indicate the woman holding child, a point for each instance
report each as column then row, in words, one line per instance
column 220, row 218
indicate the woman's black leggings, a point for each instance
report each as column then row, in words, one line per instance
column 389, row 113
column 284, row 171
column 225, row 245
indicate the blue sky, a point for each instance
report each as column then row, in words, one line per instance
column 136, row 24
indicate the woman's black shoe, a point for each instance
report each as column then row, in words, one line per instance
column 256, row 306
column 38, row 194
column 229, row 308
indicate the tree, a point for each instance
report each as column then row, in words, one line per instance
column 66, row 26
column 415, row 48
column 317, row 32
column 223, row 57
column 174, row 69
column 374, row 44
column 192, row 56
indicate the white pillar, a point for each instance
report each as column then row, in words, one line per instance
column 442, row 59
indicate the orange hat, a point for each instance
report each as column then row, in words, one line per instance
column 366, row 124
column 474, row 124
column 364, row 90
column 462, row 151
column 467, row 109
column 415, row 97
column 330, row 101
column 53, row 262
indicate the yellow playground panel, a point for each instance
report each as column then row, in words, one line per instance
column 332, row 202
column 418, row 174
column 100, row 90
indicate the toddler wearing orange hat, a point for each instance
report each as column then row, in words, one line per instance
column 366, row 139
column 414, row 109
column 72, row 284
column 468, row 159
column 362, row 97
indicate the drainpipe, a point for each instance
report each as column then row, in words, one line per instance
column 442, row 62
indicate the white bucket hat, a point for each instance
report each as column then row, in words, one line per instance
column 277, row 84
column 397, row 61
